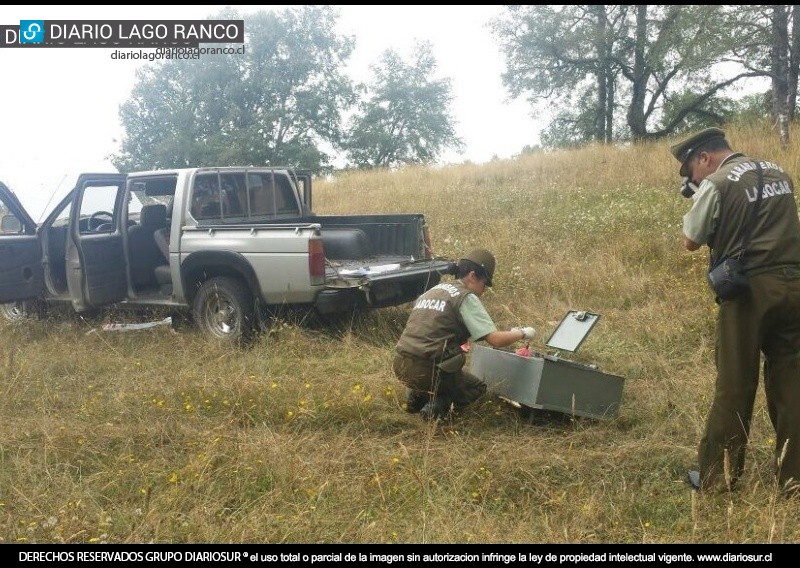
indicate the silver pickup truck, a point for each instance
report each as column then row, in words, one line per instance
column 227, row 244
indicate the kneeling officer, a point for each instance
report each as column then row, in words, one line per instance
column 429, row 359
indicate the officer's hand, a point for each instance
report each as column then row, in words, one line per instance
column 527, row 332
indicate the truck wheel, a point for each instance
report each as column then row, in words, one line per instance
column 224, row 309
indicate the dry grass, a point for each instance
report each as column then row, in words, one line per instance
column 161, row 436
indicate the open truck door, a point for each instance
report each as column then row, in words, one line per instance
column 95, row 255
column 21, row 273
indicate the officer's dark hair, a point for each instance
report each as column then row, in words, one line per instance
column 713, row 145
column 466, row 266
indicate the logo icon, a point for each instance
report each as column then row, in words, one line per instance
column 31, row 31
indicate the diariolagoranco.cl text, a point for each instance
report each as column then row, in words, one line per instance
column 174, row 53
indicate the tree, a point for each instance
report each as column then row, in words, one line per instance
column 406, row 118
column 773, row 50
column 562, row 54
column 784, row 65
column 638, row 58
column 273, row 105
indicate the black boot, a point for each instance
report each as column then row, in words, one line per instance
column 416, row 400
column 436, row 409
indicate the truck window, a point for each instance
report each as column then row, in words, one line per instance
column 150, row 191
column 262, row 201
column 271, row 194
column 234, row 195
column 206, row 199
column 9, row 224
column 285, row 202
column 97, row 209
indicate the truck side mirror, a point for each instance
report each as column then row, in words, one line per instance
column 10, row 224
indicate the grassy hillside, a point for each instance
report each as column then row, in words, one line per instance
column 161, row 436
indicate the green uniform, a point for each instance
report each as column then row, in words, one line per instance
column 429, row 359
column 765, row 319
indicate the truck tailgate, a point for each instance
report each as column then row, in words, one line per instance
column 359, row 273
column 388, row 283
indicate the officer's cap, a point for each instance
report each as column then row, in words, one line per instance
column 484, row 259
column 685, row 149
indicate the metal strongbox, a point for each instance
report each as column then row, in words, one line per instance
column 548, row 382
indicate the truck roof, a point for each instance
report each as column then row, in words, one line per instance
column 209, row 169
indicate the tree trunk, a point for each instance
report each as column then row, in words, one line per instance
column 610, row 108
column 794, row 60
column 599, row 11
column 636, row 119
column 600, row 108
column 780, row 71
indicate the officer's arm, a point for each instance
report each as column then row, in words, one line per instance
column 503, row 338
column 700, row 221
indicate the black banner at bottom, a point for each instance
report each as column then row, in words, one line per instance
column 341, row 555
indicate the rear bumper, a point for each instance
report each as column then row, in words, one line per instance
column 339, row 301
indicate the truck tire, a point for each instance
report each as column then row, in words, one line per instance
column 224, row 309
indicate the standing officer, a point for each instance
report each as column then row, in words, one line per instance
column 763, row 319
column 429, row 357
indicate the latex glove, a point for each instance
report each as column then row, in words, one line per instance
column 527, row 332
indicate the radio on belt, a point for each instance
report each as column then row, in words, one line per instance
column 548, row 382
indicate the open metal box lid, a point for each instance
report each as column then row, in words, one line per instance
column 572, row 330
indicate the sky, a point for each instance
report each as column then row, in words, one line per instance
column 59, row 107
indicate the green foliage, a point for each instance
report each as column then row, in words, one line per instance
column 557, row 38
column 753, row 109
column 572, row 127
column 716, row 111
column 529, row 149
column 275, row 104
column 655, row 68
column 406, row 119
